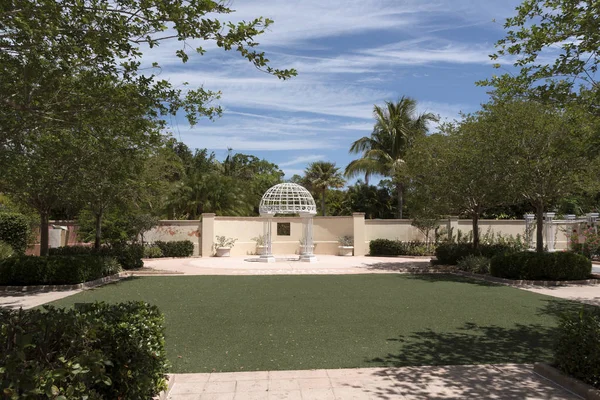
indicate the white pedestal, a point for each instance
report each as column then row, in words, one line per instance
column 266, row 259
column 308, row 258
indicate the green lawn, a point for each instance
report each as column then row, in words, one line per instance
column 219, row 323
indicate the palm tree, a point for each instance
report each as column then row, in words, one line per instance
column 397, row 125
column 322, row 175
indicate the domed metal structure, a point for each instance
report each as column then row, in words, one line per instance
column 287, row 198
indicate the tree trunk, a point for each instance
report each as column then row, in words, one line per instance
column 476, row 229
column 323, row 202
column 539, row 211
column 44, row 233
column 97, row 241
column 399, row 189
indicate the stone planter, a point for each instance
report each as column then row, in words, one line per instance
column 346, row 251
column 261, row 250
column 223, row 251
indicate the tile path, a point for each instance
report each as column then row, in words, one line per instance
column 410, row 383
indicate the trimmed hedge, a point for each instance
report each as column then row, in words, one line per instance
column 578, row 348
column 128, row 255
column 98, row 351
column 451, row 253
column 14, row 230
column 385, row 247
column 182, row 248
column 559, row 266
column 55, row 270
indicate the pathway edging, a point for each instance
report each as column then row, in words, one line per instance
column 521, row 282
column 576, row 386
column 60, row 288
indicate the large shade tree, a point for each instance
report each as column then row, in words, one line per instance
column 321, row 176
column 546, row 152
column 397, row 126
column 459, row 172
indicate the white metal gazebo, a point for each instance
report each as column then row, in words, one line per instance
column 288, row 199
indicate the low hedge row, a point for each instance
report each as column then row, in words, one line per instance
column 99, row 351
column 182, row 248
column 451, row 253
column 385, row 247
column 578, row 346
column 128, row 255
column 55, row 270
column 528, row 265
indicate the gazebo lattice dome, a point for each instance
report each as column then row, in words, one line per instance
column 287, row 198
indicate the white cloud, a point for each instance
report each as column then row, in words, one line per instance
column 289, row 172
column 242, row 143
column 302, row 160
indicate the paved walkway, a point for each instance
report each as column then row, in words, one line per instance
column 288, row 265
column 410, row 383
column 32, row 299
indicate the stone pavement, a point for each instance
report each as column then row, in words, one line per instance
column 288, row 265
column 32, row 299
column 589, row 294
column 409, row 383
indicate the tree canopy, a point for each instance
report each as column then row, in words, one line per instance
column 555, row 45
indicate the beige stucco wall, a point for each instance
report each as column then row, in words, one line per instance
column 170, row 231
column 326, row 231
column 392, row 229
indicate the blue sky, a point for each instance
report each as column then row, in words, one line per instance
column 349, row 55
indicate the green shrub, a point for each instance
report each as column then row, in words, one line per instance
column 385, row 247
column 527, row 265
column 97, row 351
column 77, row 251
column 474, row 264
column 182, row 248
column 451, row 253
column 152, row 252
column 578, row 348
column 6, row 250
column 128, row 255
column 55, row 270
column 14, row 230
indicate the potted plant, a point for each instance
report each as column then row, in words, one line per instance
column 304, row 248
column 223, row 246
column 261, row 247
column 346, row 247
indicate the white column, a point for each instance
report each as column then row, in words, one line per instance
column 268, row 256
column 593, row 220
column 549, row 225
column 307, row 254
column 529, row 219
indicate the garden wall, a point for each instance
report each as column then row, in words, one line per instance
column 326, row 230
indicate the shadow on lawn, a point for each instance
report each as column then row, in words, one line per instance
column 441, row 277
column 468, row 347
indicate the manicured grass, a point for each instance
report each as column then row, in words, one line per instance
column 219, row 323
